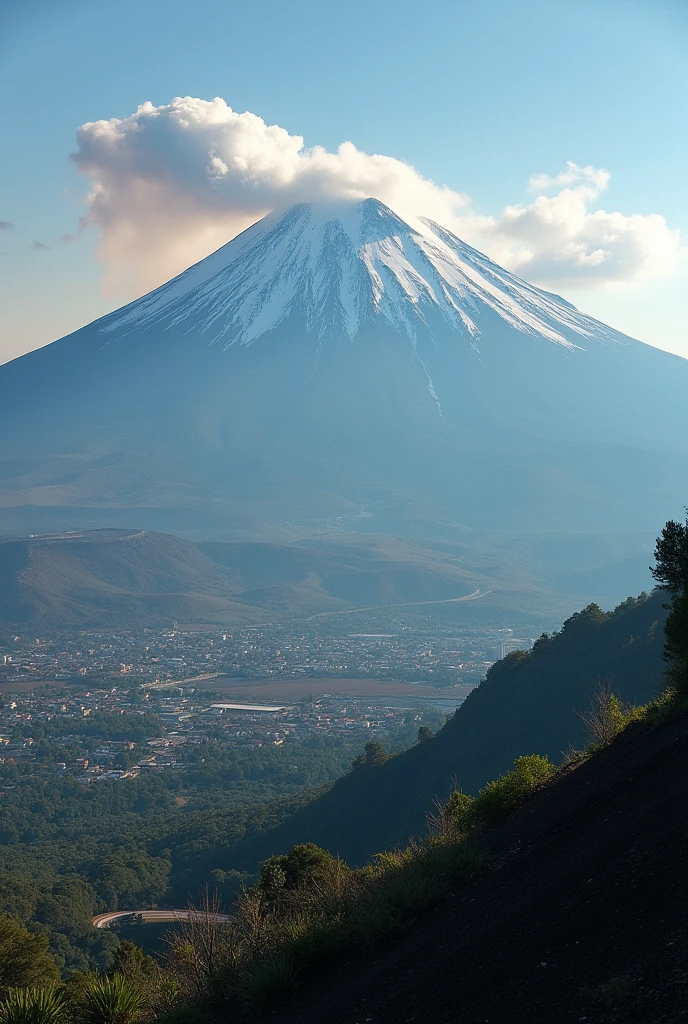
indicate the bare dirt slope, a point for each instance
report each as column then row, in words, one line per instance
column 582, row 917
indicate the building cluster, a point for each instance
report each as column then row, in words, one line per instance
column 277, row 651
column 90, row 757
column 165, row 687
column 184, row 719
column 511, row 644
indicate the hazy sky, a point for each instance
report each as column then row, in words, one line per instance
column 551, row 134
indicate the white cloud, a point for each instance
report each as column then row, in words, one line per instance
column 593, row 180
column 170, row 184
column 558, row 239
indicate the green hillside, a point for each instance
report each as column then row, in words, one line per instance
column 529, row 701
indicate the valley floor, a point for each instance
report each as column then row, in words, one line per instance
column 581, row 918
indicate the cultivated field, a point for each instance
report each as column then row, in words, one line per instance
column 290, row 690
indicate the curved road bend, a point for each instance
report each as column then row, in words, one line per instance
column 475, row 596
column 105, row 920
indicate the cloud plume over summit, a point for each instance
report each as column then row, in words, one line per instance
column 169, row 184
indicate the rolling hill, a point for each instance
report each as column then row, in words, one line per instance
column 130, row 579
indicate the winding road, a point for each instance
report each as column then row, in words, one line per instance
column 474, row 596
column 151, row 916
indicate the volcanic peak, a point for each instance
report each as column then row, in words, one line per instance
column 335, row 266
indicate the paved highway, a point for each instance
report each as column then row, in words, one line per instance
column 105, row 920
column 474, row 596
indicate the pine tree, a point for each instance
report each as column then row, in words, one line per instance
column 671, row 573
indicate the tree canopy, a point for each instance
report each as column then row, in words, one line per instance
column 24, row 958
column 671, row 573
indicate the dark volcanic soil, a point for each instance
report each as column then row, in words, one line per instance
column 582, row 917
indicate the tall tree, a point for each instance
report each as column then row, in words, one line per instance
column 375, row 755
column 671, row 573
column 24, row 958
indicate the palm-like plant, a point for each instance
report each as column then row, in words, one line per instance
column 113, row 1000
column 32, row 1006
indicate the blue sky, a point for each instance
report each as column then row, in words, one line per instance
column 479, row 97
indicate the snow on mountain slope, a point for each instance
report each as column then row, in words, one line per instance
column 336, row 367
column 337, row 265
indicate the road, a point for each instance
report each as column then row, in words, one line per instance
column 477, row 593
column 150, row 916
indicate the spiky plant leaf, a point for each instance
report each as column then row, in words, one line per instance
column 113, row 1000
column 32, row 1006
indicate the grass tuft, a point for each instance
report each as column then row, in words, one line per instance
column 267, row 982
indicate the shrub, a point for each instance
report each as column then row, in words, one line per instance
column 606, row 717
column 32, row 1006
column 112, row 1000
column 269, row 981
column 157, row 990
column 499, row 798
column 131, row 962
column 459, row 810
column 302, row 865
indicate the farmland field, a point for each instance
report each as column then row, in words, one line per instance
column 290, row 690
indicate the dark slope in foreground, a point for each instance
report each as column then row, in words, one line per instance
column 528, row 704
column 581, row 917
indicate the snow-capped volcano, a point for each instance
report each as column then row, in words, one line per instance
column 337, row 265
column 337, row 367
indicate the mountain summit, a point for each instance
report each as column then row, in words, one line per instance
column 337, row 367
column 337, row 266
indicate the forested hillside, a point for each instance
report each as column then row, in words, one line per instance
column 528, row 702
column 70, row 850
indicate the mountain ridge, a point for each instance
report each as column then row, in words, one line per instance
column 129, row 579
